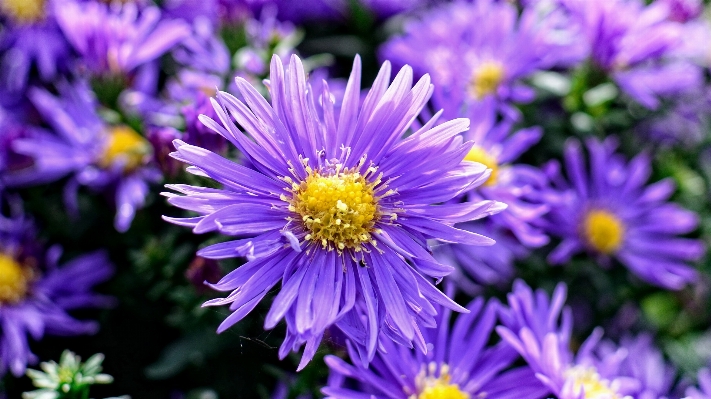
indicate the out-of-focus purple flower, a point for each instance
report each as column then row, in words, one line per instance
column 470, row 62
column 607, row 210
column 539, row 328
column 683, row 10
column 11, row 129
column 703, row 391
column 203, row 51
column 36, row 293
column 388, row 8
column 30, row 37
column 635, row 43
column 498, row 148
column 340, row 213
column 118, row 38
column 95, row 154
column 459, row 364
column 193, row 10
column 685, row 124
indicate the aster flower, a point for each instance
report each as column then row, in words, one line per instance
column 539, row 328
column 703, row 391
column 635, row 44
column 472, row 62
column 103, row 157
column 497, row 147
column 36, row 293
column 118, row 38
column 607, row 211
column 30, row 37
column 460, row 364
column 338, row 212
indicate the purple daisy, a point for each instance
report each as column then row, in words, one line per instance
column 30, row 37
column 539, row 328
column 103, row 157
column 460, row 364
column 36, row 293
column 607, row 211
column 339, row 212
column 118, row 38
column 470, row 62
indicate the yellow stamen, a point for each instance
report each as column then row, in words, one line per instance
column 127, row 146
column 603, row 231
column 478, row 154
column 588, row 380
column 486, row 79
column 23, row 11
column 339, row 210
column 14, row 280
column 431, row 387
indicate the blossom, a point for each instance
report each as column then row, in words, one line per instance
column 101, row 156
column 539, row 328
column 460, row 364
column 340, row 212
column 118, row 38
column 36, row 293
column 703, row 391
column 608, row 211
column 470, row 62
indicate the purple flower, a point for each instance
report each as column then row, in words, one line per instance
column 704, row 389
column 103, row 157
column 609, row 212
column 459, row 364
column 539, row 328
column 340, row 213
column 30, row 37
column 118, row 38
column 36, row 293
column 469, row 61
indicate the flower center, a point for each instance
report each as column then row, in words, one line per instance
column 339, row 210
column 478, row 154
column 125, row 145
column 14, row 280
column 603, row 231
column 431, row 387
column 588, row 380
column 486, row 79
column 23, row 11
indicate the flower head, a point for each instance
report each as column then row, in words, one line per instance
column 36, row 294
column 96, row 154
column 460, row 364
column 339, row 212
column 69, row 377
column 607, row 210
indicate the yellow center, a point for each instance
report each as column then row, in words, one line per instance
column 14, row 280
column 478, row 154
column 486, row 79
column 23, row 11
column 127, row 146
column 339, row 210
column 588, row 380
column 603, row 231
column 431, row 387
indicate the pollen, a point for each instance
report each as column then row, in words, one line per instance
column 587, row 380
column 603, row 231
column 23, row 11
column 441, row 387
column 478, row 154
column 14, row 280
column 486, row 79
column 125, row 145
column 338, row 210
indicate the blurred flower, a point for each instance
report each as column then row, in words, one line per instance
column 471, row 62
column 202, row 270
column 539, row 328
column 459, row 364
column 35, row 294
column 608, row 211
column 30, row 37
column 686, row 123
column 69, row 377
column 343, row 230
column 683, row 10
column 704, row 386
column 118, row 38
column 103, row 157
